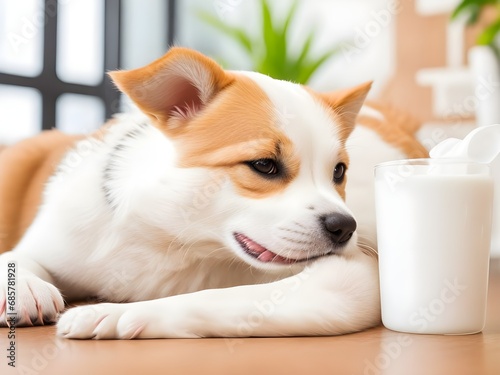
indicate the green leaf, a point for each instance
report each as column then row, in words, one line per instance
column 306, row 48
column 233, row 32
column 270, row 50
column 289, row 17
column 297, row 64
column 463, row 7
column 309, row 69
column 474, row 13
column 273, row 60
column 489, row 34
column 473, row 7
column 282, row 43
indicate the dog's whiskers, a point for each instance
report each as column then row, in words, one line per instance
column 297, row 241
column 284, row 229
column 299, row 225
column 367, row 249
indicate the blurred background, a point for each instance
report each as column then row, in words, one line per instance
column 54, row 54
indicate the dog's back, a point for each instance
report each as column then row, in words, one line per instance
column 24, row 169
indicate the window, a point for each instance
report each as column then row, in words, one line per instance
column 54, row 55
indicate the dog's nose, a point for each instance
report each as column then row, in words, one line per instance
column 340, row 227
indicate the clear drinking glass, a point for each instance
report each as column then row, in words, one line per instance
column 434, row 236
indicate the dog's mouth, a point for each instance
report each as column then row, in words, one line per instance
column 264, row 255
column 259, row 252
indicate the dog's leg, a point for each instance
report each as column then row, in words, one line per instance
column 334, row 295
column 27, row 293
column 26, row 280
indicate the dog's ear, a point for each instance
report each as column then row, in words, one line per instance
column 177, row 85
column 347, row 103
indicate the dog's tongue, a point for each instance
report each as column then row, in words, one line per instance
column 261, row 252
column 253, row 246
column 267, row 256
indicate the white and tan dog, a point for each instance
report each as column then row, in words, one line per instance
column 218, row 212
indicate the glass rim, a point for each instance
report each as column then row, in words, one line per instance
column 430, row 161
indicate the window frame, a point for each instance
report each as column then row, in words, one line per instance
column 51, row 87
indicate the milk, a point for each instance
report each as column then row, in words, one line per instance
column 434, row 233
column 481, row 145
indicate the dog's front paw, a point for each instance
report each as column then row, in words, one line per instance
column 101, row 321
column 36, row 302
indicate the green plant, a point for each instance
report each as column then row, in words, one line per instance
column 270, row 51
column 473, row 8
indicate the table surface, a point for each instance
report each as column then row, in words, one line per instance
column 375, row 351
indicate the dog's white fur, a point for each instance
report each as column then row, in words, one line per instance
column 160, row 238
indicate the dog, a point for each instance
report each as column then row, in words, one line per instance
column 222, row 209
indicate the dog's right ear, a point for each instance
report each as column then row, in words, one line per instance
column 346, row 104
column 174, row 87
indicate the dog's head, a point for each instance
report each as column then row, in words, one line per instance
column 261, row 163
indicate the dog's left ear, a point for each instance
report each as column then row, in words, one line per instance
column 177, row 85
column 347, row 103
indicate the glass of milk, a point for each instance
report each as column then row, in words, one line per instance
column 434, row 233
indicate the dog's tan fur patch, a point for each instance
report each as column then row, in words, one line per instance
column 217, row 139
column 396, row 128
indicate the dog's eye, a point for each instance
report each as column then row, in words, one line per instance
column 265, row 166
column 339, row 173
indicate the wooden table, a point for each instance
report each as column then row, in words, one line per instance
column 375, row 351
